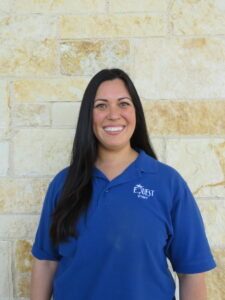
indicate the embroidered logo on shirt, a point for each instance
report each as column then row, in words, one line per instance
column 142, row 192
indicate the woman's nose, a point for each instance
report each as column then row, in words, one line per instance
column 114, row 112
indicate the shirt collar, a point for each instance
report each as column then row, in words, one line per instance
column 145, row 163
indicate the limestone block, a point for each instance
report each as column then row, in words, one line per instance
column 4, row 158
column 22, row 195
column 4, row 104
column 213, row 213
column 34, row 27
column 219, row 255
column 159, row 147
column 3, row 133
column 18, row 226
column 23, row 256
column 136, row 6
column 193, row 68
column 42, row 152
column 118, row 25
column 201, row 162
column 27, row 57
column 6, row 6
column 22, row 288
column 88, row 57
column 6, row 133
column 215, row 279
column 59, row 6
column 194, row 17
column 185, row 118
column 31, row 115
column 65, row 114
column 46, row 90
column 5, row 268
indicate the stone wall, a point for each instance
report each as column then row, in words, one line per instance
column 174, row 51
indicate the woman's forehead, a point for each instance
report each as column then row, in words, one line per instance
column 109, row 88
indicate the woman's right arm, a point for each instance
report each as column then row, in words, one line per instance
column 41, row 279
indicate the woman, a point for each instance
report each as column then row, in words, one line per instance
column 112, row 218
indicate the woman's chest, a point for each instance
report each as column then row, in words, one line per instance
column 124, row 218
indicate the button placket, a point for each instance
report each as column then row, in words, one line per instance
column 107, row 188
column 103, row 196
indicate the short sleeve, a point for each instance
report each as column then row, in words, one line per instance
column 188, row 248
column 42, row 247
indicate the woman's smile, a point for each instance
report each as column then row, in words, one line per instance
column 113, row 130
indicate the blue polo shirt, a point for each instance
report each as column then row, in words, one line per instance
column 135, row 222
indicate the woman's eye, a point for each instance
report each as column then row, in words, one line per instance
column 123, row 104
column 101, row 106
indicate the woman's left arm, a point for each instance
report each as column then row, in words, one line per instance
column 192, row 286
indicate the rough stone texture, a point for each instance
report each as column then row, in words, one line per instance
column 42, row 152
column 185, row 118
column 23, row 286
column 65, row 114
column 88, row 57
column 213, row 213
column 18, row 226
column 4, row 158
column 59, row 6
column 27, row 57
column 215, row 279
column 49, row 90
column 6, row 134
column 4, row 104
column 136, row 25
column 35, row 27
column 183, row 68
column 23, row 257
column 158, row 146
column 5, row 270
column 31, row 115
column 195, row 17
column 136, row 6
column 22, row 195
column 201, row 162
column 5, row 6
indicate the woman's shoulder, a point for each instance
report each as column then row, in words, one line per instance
column 168, row 178
column 163, row 169
column 168, row 170
column 170, row 182
column 61, row 175
column 58, row 180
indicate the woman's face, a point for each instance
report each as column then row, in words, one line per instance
column 114, row 117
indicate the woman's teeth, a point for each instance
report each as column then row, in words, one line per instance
column 112, row 129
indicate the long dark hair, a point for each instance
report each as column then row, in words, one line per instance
column 77, row 189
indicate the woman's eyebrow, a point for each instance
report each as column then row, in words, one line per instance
column 105, row 100
column 122, row 98
column 99, row 99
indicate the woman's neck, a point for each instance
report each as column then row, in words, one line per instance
column 113, row 163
